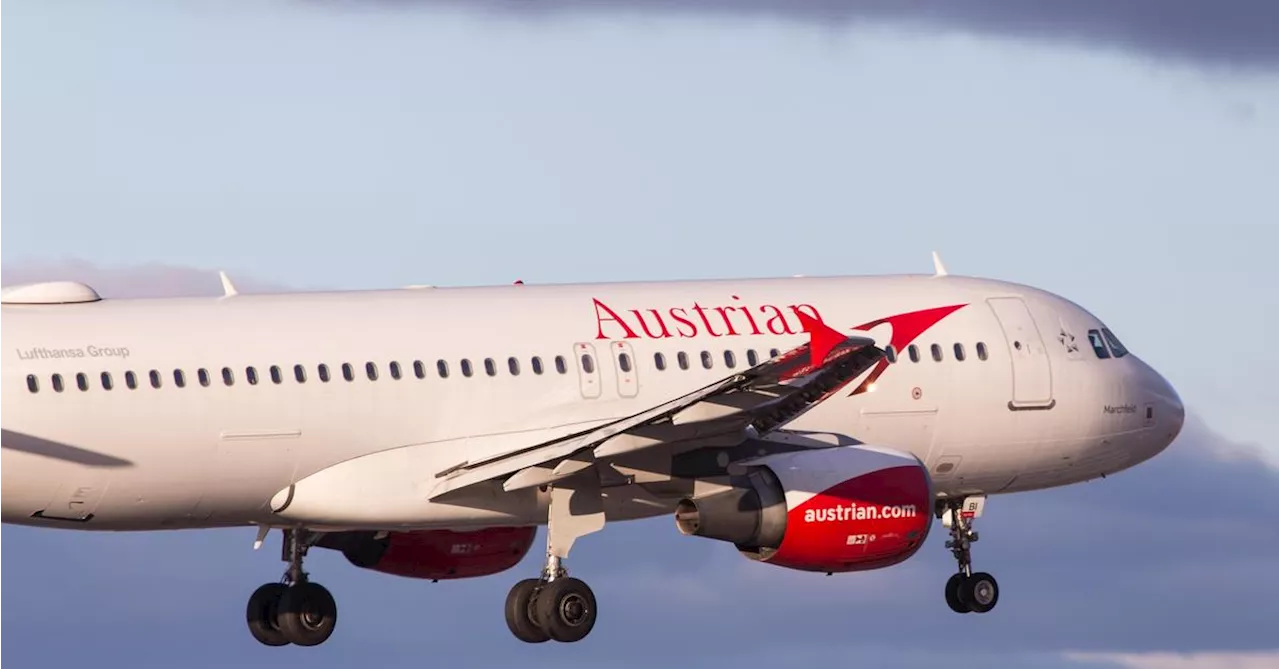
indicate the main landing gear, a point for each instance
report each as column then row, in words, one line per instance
column 556, row 606
column 295, row 610
column 552, row 607
column 966, row 591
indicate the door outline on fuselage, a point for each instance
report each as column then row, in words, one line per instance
column 588, row 366
column 1030, row 368
column 628, row 381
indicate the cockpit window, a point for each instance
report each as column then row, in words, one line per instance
column 1099, row 347
column 1117, row 349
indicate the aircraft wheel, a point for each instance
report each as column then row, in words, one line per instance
column 521, row 616
column 308, row 613
column 566, row 609
column 262, row 614
column 952, row 591
column 980, row 592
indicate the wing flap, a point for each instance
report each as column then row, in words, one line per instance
column 751, row 403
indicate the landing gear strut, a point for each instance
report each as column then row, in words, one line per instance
column 295, row 610
column 966, row 591
column 555, row 606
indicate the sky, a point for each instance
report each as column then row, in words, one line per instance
column 1117, row 153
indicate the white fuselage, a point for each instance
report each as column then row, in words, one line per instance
column 1042, row 409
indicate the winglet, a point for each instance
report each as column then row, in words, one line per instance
column 938, row 268
column 228, row 288
column 822, row 338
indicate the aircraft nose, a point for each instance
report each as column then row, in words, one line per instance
column 1170, row 413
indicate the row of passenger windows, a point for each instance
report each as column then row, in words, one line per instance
column 936, row 352
column 372, row 371
column 300, row 373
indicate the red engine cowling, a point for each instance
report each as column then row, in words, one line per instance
column 435, row 554
column 850, row 508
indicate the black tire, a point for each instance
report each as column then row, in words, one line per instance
column 262, row 615
column 520, row 612
column 566, row 609
column 308, row 614
column 952, row 591
column 980, row 592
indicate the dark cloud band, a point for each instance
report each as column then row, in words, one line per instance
column 1231, row 33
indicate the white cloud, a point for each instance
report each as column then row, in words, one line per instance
column 1207, row 660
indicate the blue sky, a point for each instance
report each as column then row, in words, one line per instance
column 1127, row 166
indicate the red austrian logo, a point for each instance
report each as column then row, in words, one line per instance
column 729, row 320
column 739, row 318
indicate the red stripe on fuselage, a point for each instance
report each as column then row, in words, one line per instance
column 906, row 327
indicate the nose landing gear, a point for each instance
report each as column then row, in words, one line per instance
column 296, row 610
column 966, row 591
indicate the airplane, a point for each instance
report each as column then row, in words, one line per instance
column 820, row 424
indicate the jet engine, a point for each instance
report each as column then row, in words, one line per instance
column 848, row 508
column 434, row 554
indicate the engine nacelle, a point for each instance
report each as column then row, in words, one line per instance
column 434, row 554
column 849, row 508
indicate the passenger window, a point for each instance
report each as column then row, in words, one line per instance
column 33, row 385
column 82, row 381
column 371, row 371
column 513, row 366
column 419, row 369
column 588, row 365
column 752, row 358
column 202, row 375
column 913, row 353
column 1099, row 348
column 131, row 380
column 958, row 350
column 730, row 360
column 1117, row 349
column 466, row 367
column 982, row 350
column 659, row 361
column 251, row 375
column 322, row 371
column 57, row 383
column 682, row 359
column 561, row 366
column 154, row 375
column 299, row 373
column 442, row 368
column 179, row 378
column 706, row 359
column 624, row 362
column 394, row 368
column 228, row 377
column 276, row 376
column 891, row 353
column 773, row 353
column 936, row 352
column 489, row 367
column 348, row 372
column 536, row 365
column 107, row 383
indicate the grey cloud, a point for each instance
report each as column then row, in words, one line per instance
column 1235, row 33
column 1177, row 554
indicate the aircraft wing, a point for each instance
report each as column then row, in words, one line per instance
column 750, row 403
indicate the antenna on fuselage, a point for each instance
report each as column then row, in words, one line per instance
column 938, row 268
column 228, row 288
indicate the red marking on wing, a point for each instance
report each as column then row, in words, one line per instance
column 822, row 338
column 906, row 327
